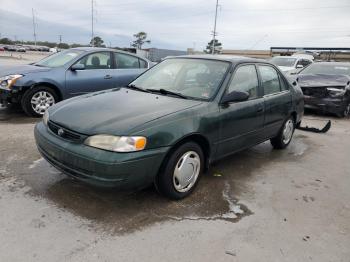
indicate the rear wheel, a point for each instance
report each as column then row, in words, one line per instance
column 37, row 100
column 181, row 172
column 285, row 135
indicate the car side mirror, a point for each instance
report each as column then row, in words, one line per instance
column 235, row 96
column 77, row 67
column 300, row 66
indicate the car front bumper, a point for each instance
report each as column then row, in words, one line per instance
column 328, row 105
column 99, row 167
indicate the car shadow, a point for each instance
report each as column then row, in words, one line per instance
column 217, row 197
column 14, row 114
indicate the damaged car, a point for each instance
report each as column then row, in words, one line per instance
column 326, row 87
column 167, row 126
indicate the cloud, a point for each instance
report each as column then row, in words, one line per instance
column 180, row 24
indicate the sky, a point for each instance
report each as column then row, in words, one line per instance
column 182, row 24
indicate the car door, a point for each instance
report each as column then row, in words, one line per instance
column 277, row 99
column 241, row 122
column 96, row 75
column 127, row 68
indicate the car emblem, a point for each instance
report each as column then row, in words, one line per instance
column 60, row 132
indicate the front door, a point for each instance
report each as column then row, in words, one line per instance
column 242, row 122
column 97, row 75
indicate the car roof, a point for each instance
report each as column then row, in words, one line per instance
column 227, row 58
column 334, row 63
column 90, row 49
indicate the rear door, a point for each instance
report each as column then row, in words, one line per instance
column 277, row 99
column 241, row 122
column 127, row 68
column 96, row 76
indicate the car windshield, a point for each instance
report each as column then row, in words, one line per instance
column 283, row 61
column 329, row 69
column 189, row 77
column 59, row 59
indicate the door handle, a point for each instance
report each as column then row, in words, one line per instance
column 107, row 77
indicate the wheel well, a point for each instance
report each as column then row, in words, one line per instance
column 58, row 92
column 294, row 115
column 197, row 138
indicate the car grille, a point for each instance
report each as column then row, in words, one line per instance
column 64, row 132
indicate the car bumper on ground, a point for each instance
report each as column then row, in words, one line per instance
column 99, row 167
column 328, row 105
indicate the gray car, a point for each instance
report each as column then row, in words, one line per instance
column 66, row 74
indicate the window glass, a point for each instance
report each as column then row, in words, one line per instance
column 143, row 63
column 270, row 80
column 193, row 78
column 59, row 59
column 284, row 85
column 245, row 79
column 101, row 60
column 126, row 61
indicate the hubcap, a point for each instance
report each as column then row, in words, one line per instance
column 186, row 171
column 288, row 131
column 41, row 101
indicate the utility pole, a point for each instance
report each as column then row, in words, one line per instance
column 34, row 33
column 214, row 32
column 92, row 23
column 60, row 37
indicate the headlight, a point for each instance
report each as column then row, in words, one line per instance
column 7, row 81
column 335, row 92
column 117, row 143
column 46, row 117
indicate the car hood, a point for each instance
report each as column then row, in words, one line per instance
column 116, row 111
column 323, row 80
column 21, row 69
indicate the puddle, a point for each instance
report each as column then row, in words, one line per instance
column 217, row 197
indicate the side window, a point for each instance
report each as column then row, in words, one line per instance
column 245, row 79
column 270, row 80
column 284, row 85
column 143, row 63
column 305, row 62
column 100, row 60
column 126, row 61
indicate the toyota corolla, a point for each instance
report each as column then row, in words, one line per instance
column 171, row 123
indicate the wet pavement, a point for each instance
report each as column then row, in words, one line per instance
column 258, row 205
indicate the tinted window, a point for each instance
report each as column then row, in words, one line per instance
column 143, row 63
column 270, row 80
column 100, row 60
column 126, row 61
column 284, row 85
column 245, row 79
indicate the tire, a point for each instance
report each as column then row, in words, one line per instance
column 285, row 135
column 44, row 96
column 346, row 112
column 173, row 181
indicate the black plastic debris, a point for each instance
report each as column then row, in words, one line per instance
column 316, row 130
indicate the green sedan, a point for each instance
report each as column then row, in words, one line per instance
column 171, row 123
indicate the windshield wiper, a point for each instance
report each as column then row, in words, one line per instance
column 132, row 86
column 167, row 92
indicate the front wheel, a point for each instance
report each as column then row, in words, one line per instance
column 37, row 100
column 285, row 135
column 181, row 172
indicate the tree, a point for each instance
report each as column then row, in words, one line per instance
column 97, row 41
column 217, row 47
column 6, row 41
column 141, row 38
column 63, row 46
